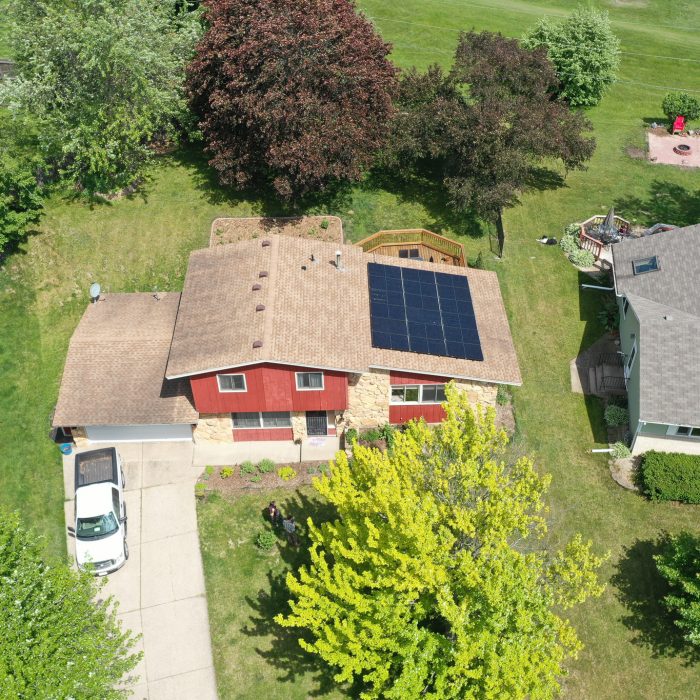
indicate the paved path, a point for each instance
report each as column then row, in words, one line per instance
column 161, row 589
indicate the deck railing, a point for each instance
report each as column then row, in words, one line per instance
column 588, row 243
column 417, row 236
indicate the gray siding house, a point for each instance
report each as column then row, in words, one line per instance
column 657, row 283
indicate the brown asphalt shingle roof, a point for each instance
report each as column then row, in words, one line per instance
column 316, row 317
column 115, row 369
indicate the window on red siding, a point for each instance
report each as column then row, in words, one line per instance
column 267, row 419
column 309, row 380
column 419, row 393
column 231, row 382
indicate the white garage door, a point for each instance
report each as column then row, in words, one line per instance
column 138, row 433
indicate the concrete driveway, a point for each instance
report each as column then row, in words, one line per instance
column 160, row 589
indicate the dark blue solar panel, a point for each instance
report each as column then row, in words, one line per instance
column 422, row 311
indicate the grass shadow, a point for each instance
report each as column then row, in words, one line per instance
column 285, row 654
column 667, row 203
column 641, row 589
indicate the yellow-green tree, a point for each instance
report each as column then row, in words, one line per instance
column 433, row 582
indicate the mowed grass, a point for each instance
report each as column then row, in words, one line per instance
column 143, row 242
column 253, row 657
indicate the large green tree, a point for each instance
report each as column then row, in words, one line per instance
column 97, row 80
column 20, row 200
column 57, row 640
column 490, row 129
column 679, row 564
column 584, row 50
column 434, row 580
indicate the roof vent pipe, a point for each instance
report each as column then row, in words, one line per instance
column 263, row 273
column 257, row 287
column 266, row 243
column 338, row 256
column 257, row 344
column 260, row 307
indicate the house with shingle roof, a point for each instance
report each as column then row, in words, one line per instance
column 285, row 339
column 657, row 283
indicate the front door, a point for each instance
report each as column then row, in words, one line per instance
column 316, row 423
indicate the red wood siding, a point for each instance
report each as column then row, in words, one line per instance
column 252, row 434
column 397, row 378
column 270, row 388
column 400, row 413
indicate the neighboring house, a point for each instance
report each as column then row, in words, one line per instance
column 285, row 339
column 657, row 283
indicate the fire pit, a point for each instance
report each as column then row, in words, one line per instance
column 682, row 149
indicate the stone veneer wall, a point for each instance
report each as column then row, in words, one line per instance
column 368, row 400
column 299, row 425
column 214, row 427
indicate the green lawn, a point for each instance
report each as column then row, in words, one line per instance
column 142, row 242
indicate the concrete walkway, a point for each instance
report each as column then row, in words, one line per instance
column 160, row 589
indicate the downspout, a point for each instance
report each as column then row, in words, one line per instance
column 640, row 424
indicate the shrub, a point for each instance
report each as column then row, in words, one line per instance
column 477, row 262
column 682, row 103
column 265, row 540
column 620, row 451
column 226, row 472
column 582, row 258
column 502, row 395
column 324, row 224
column 286, row 473
column 371, row 435
column 256, row 478
column 679, row 564
column 324, row 469
column 311, row 469
column 671, row 476
column 265, row 466
column 199, row 489
column 616, row 415
column 609, row 315
column 572, row 229
column 248, row 467
column 386, row 432
column 569, row 244
column 208, row 471
column 350, row 436
column 20, row 201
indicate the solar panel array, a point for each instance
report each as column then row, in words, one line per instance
column 422, row 311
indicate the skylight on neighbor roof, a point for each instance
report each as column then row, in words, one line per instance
column 643, row 265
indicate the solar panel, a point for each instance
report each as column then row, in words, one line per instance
column 422, row 311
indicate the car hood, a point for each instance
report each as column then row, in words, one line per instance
column 111, row 547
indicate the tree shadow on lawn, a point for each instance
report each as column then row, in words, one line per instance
column 667, row 203
column 262, row 195
column 285, row 653
column 641, row 589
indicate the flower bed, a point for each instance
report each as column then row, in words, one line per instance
column 320, row 228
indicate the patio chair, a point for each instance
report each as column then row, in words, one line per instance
column 678, row 125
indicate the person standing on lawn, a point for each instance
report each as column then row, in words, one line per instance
column 290, row 527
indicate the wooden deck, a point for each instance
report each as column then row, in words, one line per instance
column 415, row 244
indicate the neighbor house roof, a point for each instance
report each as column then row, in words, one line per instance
column 114, row 372
column 667, row 304
column 314, row 314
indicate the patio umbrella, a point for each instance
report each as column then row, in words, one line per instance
column 608, row 229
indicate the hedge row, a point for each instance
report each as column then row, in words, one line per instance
column 671, row 476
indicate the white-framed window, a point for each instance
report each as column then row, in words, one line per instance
column 309, row 381
column 264, row 419
column 231, row 382
column 625, row 306
column 418, row 393
column 687, row 431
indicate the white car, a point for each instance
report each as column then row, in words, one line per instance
column 100, row 512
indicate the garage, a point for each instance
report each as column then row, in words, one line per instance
column 139, row 433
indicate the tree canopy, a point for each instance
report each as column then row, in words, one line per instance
column 681, row 103
column 434, row 581
column 292, row 92
column 679, row 564
column 20, row 200
column 489, row 127
column 584, row 50
column 97, row 80
column 57, row 640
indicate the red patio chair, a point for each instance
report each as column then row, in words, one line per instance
column 679, row 125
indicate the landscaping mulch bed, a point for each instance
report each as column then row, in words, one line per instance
column 241, row 483
column 242, row 229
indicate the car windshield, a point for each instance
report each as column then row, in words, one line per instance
column 97, row 526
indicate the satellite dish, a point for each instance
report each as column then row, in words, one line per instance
column 95, row 291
